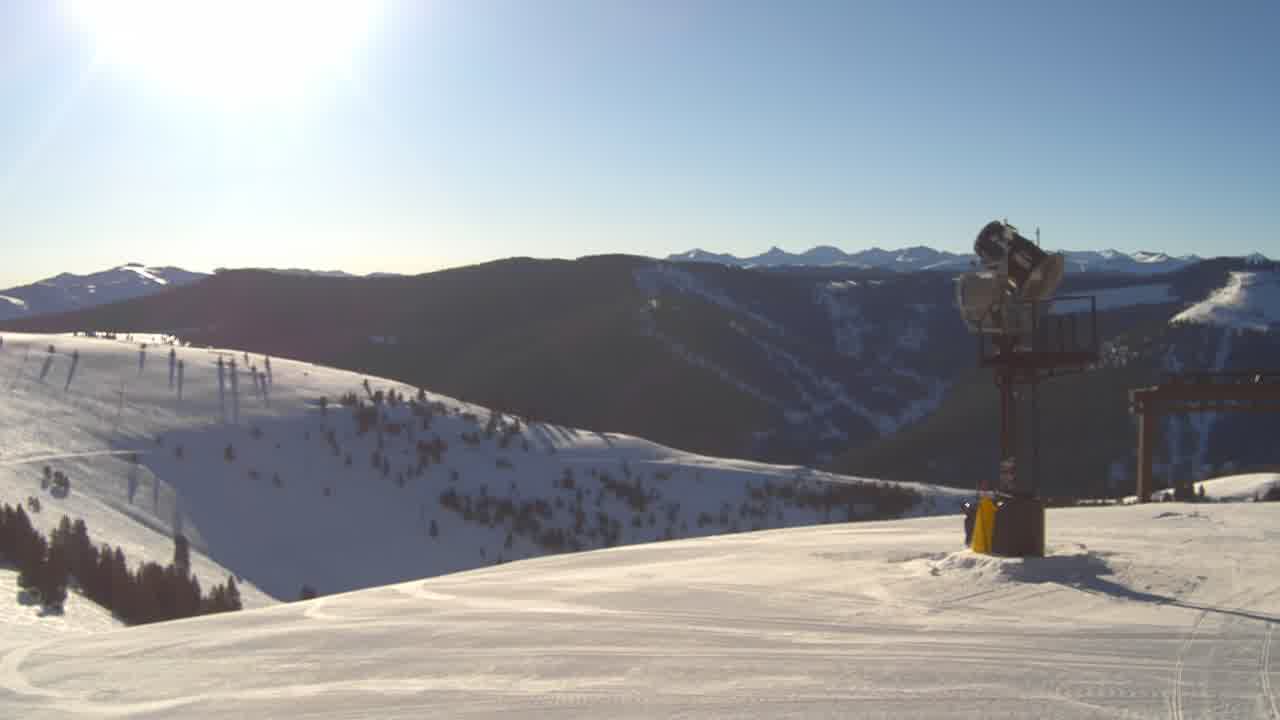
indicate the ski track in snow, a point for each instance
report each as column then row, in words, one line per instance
column 1265, row 671
column 47, row 457
column 1175, row 692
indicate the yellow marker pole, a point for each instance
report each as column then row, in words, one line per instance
column 984, row 526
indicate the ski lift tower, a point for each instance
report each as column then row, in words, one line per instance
column 1025, row 335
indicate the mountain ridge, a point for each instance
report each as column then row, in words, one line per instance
column 68, row 291
column 921, row 257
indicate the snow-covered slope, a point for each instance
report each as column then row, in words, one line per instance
column 1156, row 611
column 72, row 292
column 1249, row 301
column 25, row 621
column 272, row 483
column 1235, row 488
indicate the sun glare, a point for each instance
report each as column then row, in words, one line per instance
column 233, row 52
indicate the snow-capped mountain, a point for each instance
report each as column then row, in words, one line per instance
column 912, row 258
column 68, row 291
column 1115, row 261
column 700, row 255
column 925, row 258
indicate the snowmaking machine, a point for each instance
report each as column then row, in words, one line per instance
column 1025, row 335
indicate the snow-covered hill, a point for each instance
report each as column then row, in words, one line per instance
column 1234, row 488
column 1249, row 301
column 72, row 292
column 1155, row 611
column 273, row 479
column 925, row 258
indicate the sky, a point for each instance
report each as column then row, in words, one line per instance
column 413, row 135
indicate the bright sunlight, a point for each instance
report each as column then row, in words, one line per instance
column 234, row 53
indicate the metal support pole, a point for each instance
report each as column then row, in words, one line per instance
column 1008, row 429
column 1035, row 437
column 1147, row 425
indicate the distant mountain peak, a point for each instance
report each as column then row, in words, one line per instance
column 69, row 291
column 923, row 257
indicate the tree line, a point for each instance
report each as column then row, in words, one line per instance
column 151, row 593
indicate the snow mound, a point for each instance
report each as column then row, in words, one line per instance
column 1249, row 301
column 1067, row 566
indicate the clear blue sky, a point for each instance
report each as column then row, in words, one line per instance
column 458, row 132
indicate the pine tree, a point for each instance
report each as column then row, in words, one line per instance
column 31, row 562
column 80, row 552
column 181, row 554
column 191, row 605
column 120, row 582
column 233, row 595
column 52, row 582
column 99, row 590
